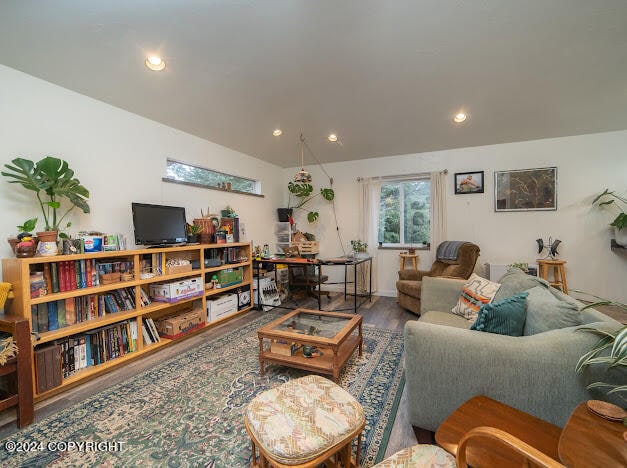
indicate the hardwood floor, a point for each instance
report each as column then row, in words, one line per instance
column 382, row 312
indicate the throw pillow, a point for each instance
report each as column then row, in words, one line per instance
column 547, row 312
column 476, row 292
column 516, row 281
column 505, row 317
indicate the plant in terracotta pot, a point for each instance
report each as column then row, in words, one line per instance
column 24, row 231
column 53, row 182
column 612, row 199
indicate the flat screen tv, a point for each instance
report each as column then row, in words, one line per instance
column 158, row 224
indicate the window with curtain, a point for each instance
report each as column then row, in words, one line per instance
column 404, row 212
column 184, row 173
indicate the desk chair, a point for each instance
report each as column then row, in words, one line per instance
column 307, row 276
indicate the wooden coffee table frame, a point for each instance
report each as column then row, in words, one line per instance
column 335, row 350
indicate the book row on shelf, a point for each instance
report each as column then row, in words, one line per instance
column 49, row 316
column 92, row 348
column 69, row 275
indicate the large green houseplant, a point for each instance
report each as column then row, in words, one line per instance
column 301, row 193
column 609, row 351
column 52, row 181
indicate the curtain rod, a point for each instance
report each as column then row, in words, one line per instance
column 402, row 176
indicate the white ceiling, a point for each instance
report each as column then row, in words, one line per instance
column 386, row 75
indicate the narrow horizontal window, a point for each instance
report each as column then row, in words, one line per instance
column 183, row 173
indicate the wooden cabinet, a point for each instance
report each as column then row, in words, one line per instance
column 88, row 288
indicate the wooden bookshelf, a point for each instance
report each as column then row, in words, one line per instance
column 18, row 271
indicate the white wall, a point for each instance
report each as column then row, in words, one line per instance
column 586, row 165
column 120, row 157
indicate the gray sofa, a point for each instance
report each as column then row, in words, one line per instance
column 446, row 363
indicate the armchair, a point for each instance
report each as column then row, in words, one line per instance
column 409, row 282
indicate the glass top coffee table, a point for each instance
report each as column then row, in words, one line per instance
column 311, row 340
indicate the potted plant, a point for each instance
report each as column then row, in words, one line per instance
column 302, row 193
column 610, row 350
column 193, row 231
column 52, row 181
column 611, row 198
column 24, row 231
column 360, row 248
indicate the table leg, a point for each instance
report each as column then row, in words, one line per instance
column 262, row 372
column 361, row 340
column 355, row 288
column 336, row 365
column 563, row 279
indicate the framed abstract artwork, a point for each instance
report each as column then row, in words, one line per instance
column 526, row 190
column 468, row 182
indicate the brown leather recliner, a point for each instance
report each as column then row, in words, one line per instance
column 410, row 281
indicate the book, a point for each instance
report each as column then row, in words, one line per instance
column 61, row 313
column 42, row 317
column 70, row 311
column 72, row 275
column 48, row 277
column 154, row 330
column 83, row 276
column 53, row 318
column 88, row 279
column 34, row 318
column 145, row 335
column 54, row 274
column 133, row 333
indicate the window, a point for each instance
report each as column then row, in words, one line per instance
column 183, row 173
column 404, row 212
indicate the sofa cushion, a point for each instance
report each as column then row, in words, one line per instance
column 516, row 281
column 476, row 292
column 546, row 312
column 444, row 318
column 504, row 317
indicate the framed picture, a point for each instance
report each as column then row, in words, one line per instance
column 526, row 190
column 468, row 182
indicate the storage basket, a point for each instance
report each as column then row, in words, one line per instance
column 308, row 247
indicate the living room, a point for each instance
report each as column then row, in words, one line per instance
column 121, row 157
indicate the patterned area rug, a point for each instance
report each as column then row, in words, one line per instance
column 187, row 411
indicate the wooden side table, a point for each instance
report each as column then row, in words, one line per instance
column 483, row 411
column 414, row 260
column 559, row 275
column 590, row 440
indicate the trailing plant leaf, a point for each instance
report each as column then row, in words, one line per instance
column 303, row 193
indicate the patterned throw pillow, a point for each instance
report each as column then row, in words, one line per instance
column 476, row 292
column 504, row 317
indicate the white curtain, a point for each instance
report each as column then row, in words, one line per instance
column 438, row 211
column 369, row 228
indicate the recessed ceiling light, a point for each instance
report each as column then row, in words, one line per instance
column 332, row 137
column 155, row 63
column 277, row 132
column 459, row 118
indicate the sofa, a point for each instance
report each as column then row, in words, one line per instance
column 409, row 282
column 446, row 363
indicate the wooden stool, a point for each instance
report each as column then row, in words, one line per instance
column 414, row 260
column 559, row 276
column 303, row 423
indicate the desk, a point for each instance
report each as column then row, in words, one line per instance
column 346, row 262
column 590, row 440
column 484, row 411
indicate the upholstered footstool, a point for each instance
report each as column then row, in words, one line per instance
column 304, row 422
column 419, row 456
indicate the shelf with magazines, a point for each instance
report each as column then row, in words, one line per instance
column 99, row 311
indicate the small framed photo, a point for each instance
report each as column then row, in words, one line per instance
column 468, row 182
column 526, row 189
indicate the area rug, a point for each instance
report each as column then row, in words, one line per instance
column 187, row 411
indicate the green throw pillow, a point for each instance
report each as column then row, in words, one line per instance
column 505, row 317
column 516, row 281
column 546, row 312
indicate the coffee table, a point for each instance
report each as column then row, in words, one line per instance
column 335, row 336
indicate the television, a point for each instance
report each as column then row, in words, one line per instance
column 159, row 224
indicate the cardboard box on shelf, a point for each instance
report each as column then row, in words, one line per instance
column 221, row 306
column 283, row 348
column 176, row 326
column 177, row 290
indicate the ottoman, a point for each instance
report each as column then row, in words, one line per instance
column 304, row 422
